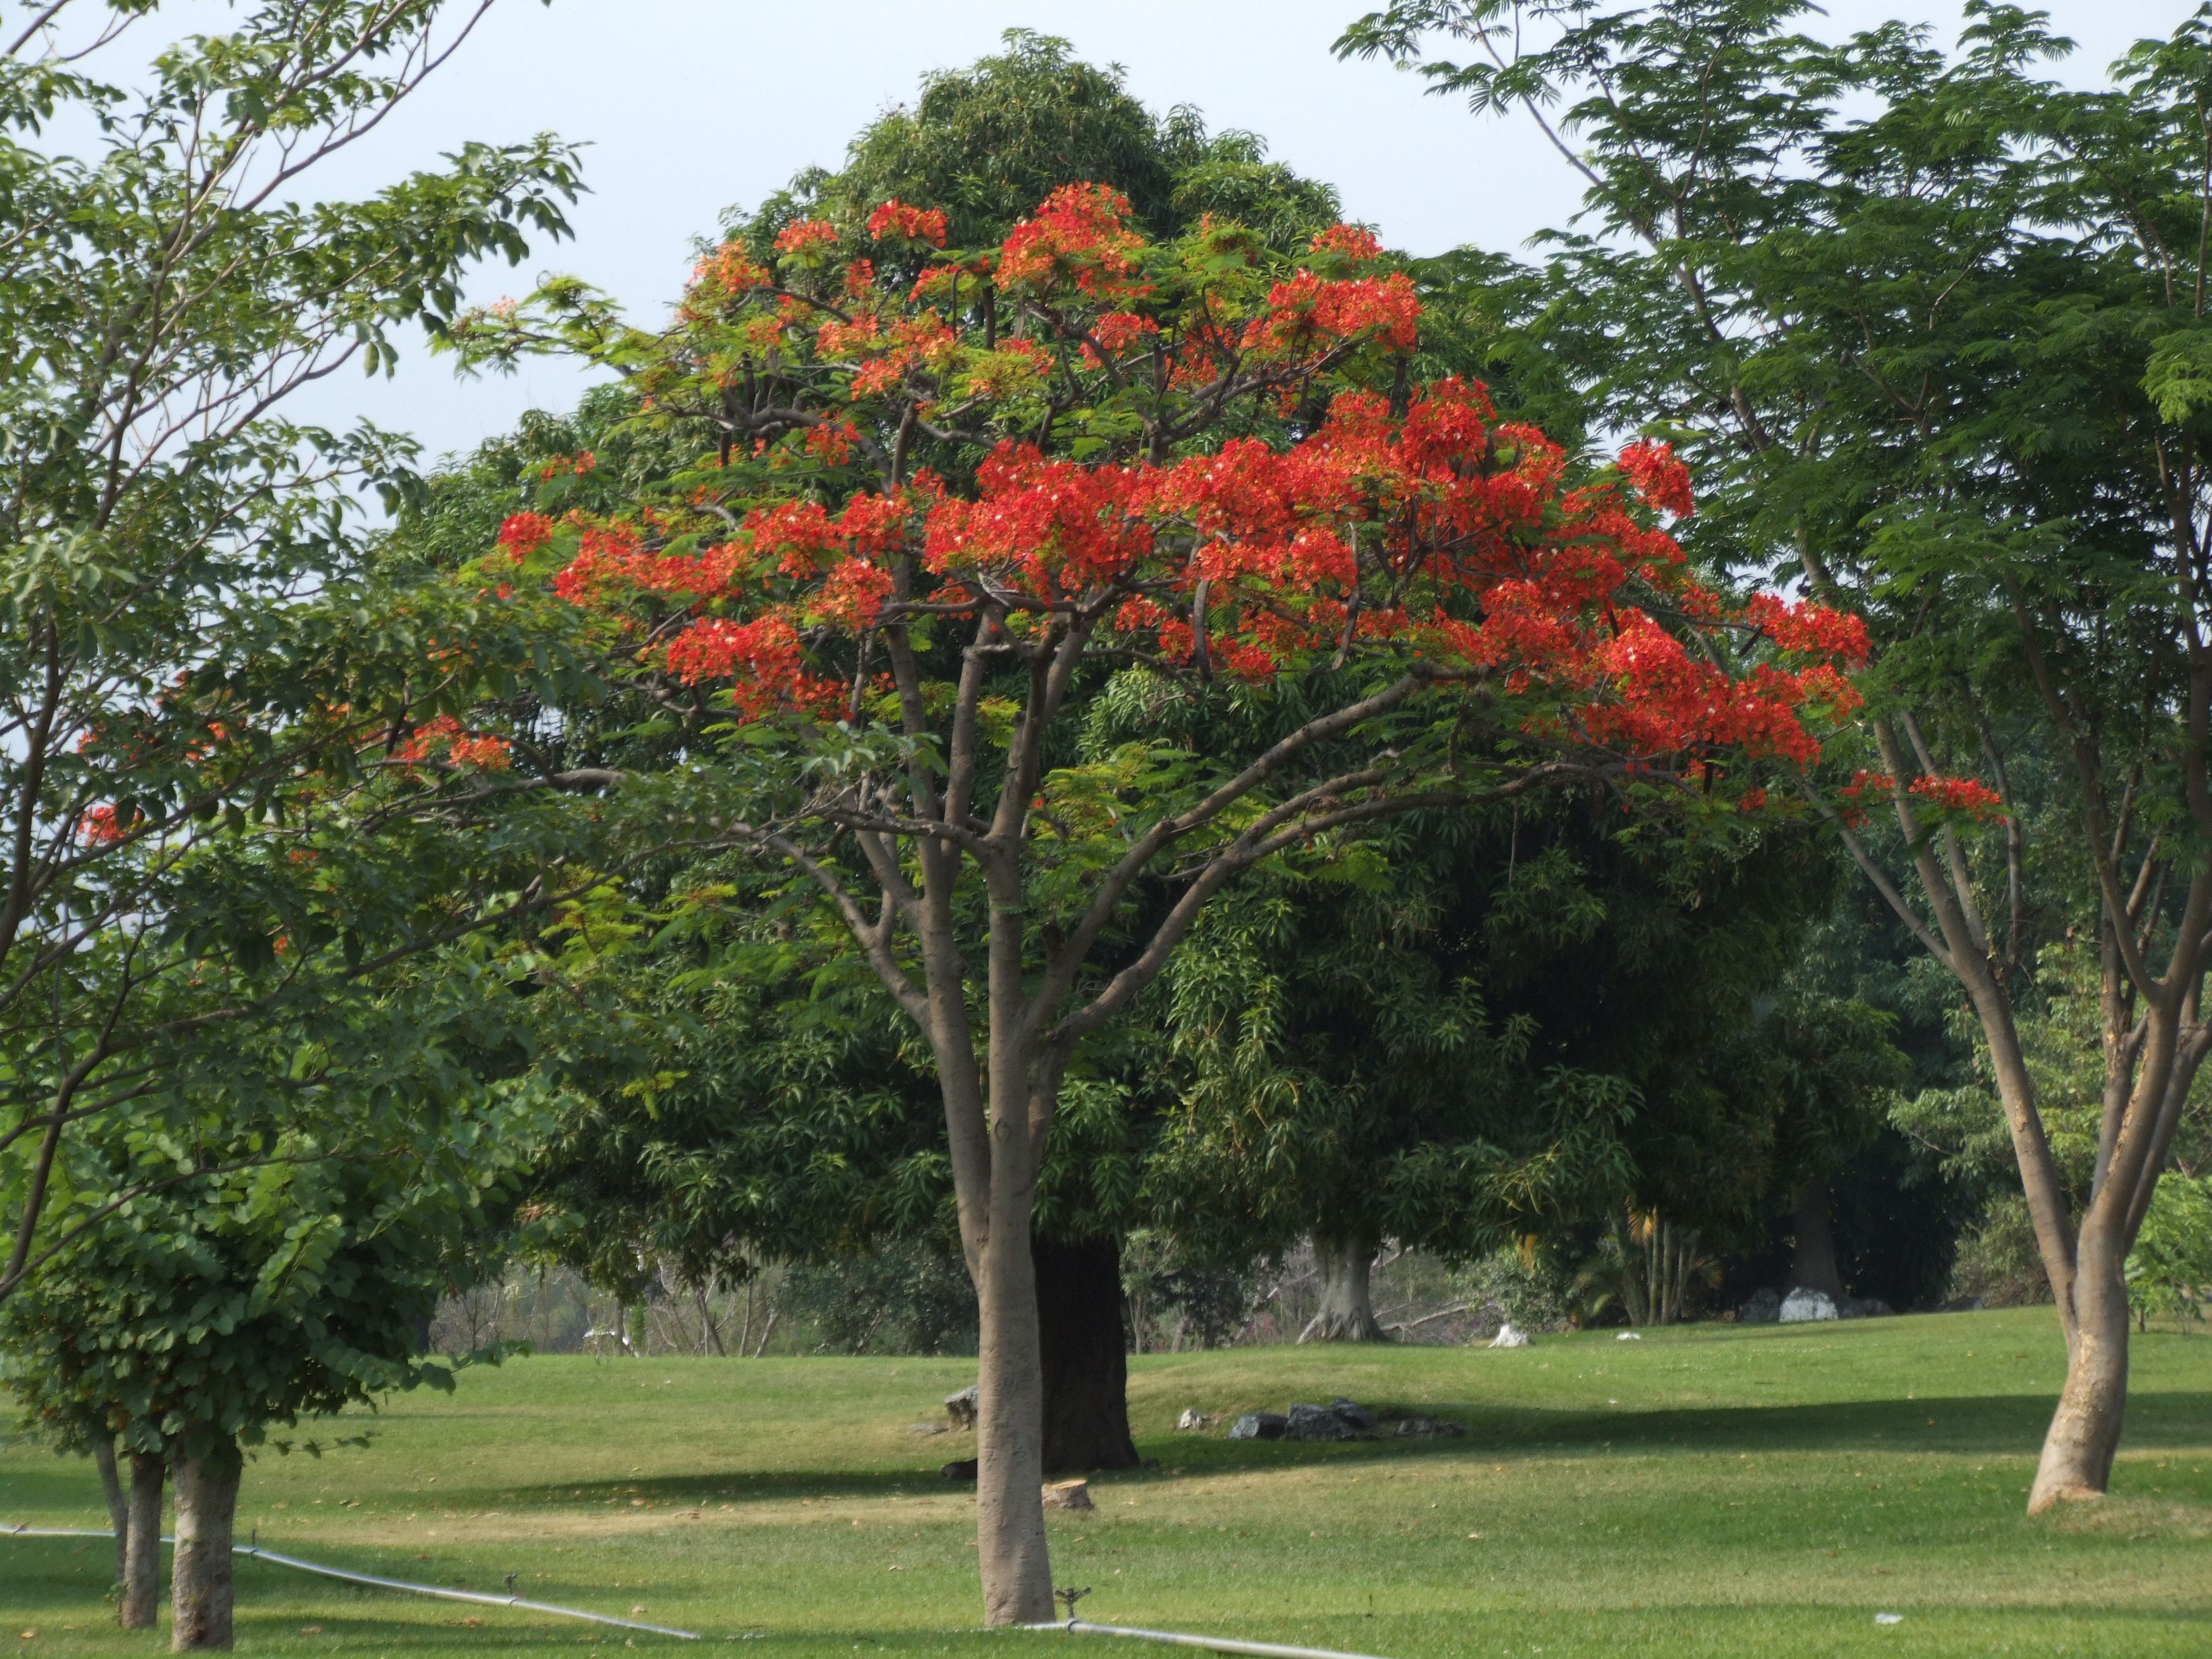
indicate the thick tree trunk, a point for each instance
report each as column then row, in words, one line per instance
column 118, row 1506
column 1347, row 1305
column 2085, row 1430
column 1010, row 1533
column 141, row 1544
column 207, row 1511
column 1083, row 1355
column 1813, row 1260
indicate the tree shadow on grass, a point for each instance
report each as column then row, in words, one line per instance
column 1976, row 1424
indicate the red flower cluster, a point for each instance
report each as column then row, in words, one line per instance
column 614, row 556
column 913, row 224
column 923, row 340
column 1114, row 332
column 100, row 827
column 1811, row 630
column 1311, row 311
column 1661, row 482
column 763, row 660
column 1959, row 795
column 1349, row 240
column 806, row 238
column 524, row 533
column 730, row 268
column 446, row 737
column 1052, row 526
column 1077, row 235
column 1413, row 529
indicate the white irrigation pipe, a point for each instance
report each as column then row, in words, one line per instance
column 1073, row 1627
column 1211, row 1643
column 260, row 1554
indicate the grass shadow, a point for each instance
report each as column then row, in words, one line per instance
column 1977, row 1424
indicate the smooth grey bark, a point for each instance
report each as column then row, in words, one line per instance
column 119, row 1507
column 207, row 1513
column 2156, row 1038
column 141, row 1544
column 1347, row 1303
column 1009, row 1434
column 2085, row 1430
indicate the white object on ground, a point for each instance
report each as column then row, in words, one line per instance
column 1801, row 1307
column 260, row 1554
column 1211, row 1643
column 1628, row 1336
column 1510, row 1336
column 1889, row 1618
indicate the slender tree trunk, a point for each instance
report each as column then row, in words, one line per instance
column 207, row 1511
column 1347, row 1303
column 1813, row 1259
column 141, row 1544
column 1009, row 1533
column 2085, row 1430
column 1083, row 1355
column 118, row 1506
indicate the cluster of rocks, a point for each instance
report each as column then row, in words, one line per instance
column 1340, row 1419
column 1804, row 1307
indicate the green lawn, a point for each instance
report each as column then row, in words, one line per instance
column 1705, row 1490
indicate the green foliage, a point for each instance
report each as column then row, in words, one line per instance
column 286, row 1260
column 989, row 142
column 2170, row 1270
column 211, row 706
column 1468, row 1031
column 752, row 1094
column 905, row 1296
column 1527, row 1286
column 1176, row 1296
column 1930, row 325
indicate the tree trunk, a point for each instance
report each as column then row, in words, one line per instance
column 207, row 1509
column 1813, row 1261
column 141, row 1544
column 1083, row 1355
column 2085, row 1430
column 118, row 1506
column 1010, row 1544
column 1347, row 1303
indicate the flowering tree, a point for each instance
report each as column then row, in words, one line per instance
column 969, row 515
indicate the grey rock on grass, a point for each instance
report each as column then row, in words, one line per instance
column 1804, row 1307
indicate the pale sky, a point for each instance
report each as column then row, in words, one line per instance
column 691, row 106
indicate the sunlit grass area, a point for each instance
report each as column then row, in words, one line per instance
column 1706, row 1490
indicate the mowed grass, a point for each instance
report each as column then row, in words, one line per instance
column 1705, row 1490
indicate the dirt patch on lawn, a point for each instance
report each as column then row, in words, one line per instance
column 414, row 1530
